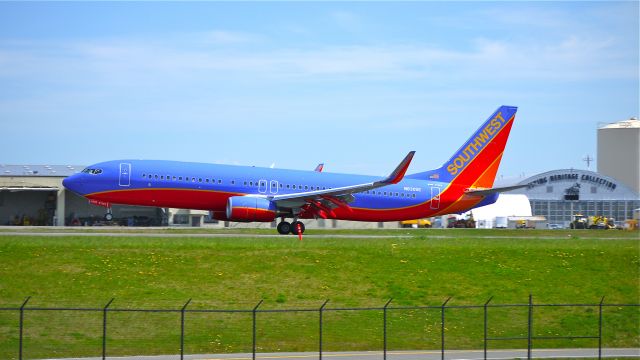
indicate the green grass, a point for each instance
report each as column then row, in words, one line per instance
column 222, row 273
column 475, row 233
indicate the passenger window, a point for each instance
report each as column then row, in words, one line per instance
column 306, row 187
column 293, row 186
column 219, row 181
column 287, row 186
column 233, row 182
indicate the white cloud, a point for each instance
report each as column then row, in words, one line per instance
column 570, row 58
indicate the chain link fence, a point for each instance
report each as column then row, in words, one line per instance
column 28, row 332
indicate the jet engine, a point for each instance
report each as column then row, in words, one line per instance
column 247, row 209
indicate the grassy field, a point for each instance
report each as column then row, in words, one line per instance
column 423, row 268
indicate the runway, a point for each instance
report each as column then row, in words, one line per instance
column 198, row 235
column 403, row 355
column 324, row 235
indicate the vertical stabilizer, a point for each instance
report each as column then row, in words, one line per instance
column 476, row 162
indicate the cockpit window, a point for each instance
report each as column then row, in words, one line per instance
column 92, row 171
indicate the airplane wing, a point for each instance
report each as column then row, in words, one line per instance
column 486, row 192
column 341, row 196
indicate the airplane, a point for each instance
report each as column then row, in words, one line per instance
column 257, row 194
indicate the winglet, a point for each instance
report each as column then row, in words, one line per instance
column 397, row 174
column 319, row 167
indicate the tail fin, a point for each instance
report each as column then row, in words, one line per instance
column 476, row 163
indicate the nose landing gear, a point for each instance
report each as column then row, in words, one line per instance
column 109, row 215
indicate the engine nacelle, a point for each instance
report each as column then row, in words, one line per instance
column 247, row 209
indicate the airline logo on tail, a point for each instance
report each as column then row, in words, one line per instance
column 473, row 147
column 483, row 137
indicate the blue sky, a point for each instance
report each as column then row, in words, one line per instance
column 354, row 85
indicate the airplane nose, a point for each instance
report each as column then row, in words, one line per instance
column 74, row 183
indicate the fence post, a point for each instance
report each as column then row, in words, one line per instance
column 182, row 312
column 485, row 327
column 384, row 328
column 22, row 324
column 530, row 327
column 600, row 329
column 320, row 334
column 442, row 327
column 255, row 309
column 104, row 329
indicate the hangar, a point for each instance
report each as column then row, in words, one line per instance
column 34, row 195
column 559, row 194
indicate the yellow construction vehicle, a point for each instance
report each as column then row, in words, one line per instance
column 601, row 222
column 592, row 222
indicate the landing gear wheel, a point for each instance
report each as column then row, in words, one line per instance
column 294, row 227
column 108, row 216
column 284, row 228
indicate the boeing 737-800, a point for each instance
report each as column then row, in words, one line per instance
column 247, row 194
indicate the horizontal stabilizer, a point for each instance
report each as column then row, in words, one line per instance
column 486, row 192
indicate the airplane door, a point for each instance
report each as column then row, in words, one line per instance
column 262, row 186
column 125, row 174
column 435, row 197
column 273, row 187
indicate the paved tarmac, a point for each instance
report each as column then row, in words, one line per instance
column 403, row 355
column 320, row 234
column 198, row 235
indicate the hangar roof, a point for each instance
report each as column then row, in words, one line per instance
column 583, row 184
column 624, row 124
column 40, row 170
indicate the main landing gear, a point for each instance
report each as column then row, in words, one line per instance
column 109, row 215
column 295, row 228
